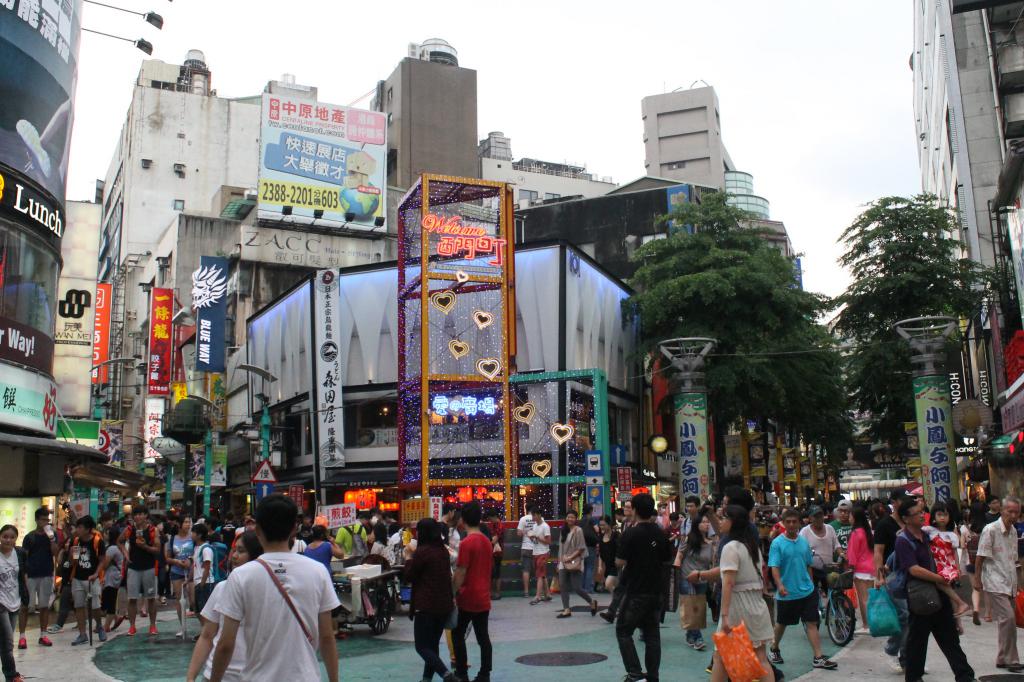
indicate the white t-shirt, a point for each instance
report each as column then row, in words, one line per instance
column 526, row 525
column 197, row 562
column 540, row 530
column 299, row 547
column 237, row 663
column 277, row 648
column 823, row 547
column 10, row 597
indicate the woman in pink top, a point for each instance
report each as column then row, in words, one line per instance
column 860, row 553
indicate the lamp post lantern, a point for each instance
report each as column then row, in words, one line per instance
column 690, row 401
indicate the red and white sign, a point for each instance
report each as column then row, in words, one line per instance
column 153, row 428
column 264, row 473
column 296, row 492
column 435, row 508
column 159, row 370
column 339, row 515
column 625, row 478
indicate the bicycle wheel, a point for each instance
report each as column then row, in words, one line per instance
column 840, row 618
column 381, row 620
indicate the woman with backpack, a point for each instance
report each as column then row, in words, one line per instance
column 179, row 552
column 13, row 593
column 246, row 549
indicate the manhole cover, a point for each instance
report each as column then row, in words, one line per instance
column 561, row 658
column 1002, row 677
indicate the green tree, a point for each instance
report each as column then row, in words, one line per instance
column 772, row 360
column 902, row 253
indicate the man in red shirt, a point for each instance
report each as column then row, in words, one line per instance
column 473, row 593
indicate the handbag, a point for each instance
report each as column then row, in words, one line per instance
column 288, row 600
column 922, row 597
column 693, row 611
column 1018, row 608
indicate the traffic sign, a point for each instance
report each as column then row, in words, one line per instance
column 595, row 480
column 264, row 473
column 263, row 490
column 594, row 465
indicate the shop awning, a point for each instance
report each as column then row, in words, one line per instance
column 98, row 475
column 50, row 446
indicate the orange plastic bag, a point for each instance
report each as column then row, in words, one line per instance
column 852, row 595
column 737, row 653
column 1018, row 608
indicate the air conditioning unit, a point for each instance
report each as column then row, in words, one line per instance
column 179, row 170
column 1011, row 65
column 131, row 314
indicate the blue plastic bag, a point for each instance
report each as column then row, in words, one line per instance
column 883, row 619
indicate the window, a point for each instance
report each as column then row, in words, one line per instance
column 651, row 237
column 179, row 204
column 371, row 424
column 527, row 195
column 391, row 94
column 549, row 195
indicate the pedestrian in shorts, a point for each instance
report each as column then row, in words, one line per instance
column 143, row 548
column 523, row 530
column 40, row 547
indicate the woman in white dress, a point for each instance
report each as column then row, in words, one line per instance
column 742, row 588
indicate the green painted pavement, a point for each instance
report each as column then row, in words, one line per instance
column 516, row 629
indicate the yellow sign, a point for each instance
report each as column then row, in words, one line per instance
column 179, row 391
column 299, row 195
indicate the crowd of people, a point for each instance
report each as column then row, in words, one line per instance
column 267, row 574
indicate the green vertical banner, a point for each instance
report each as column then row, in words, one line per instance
column 692, row 428
column 935, row 437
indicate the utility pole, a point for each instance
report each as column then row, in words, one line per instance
column 928, row 337
column 687, row 356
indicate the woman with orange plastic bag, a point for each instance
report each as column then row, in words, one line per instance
column 740, row 651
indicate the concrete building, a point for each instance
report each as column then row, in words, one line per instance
column 683, row 137
column 431, row 105
column 536, row 181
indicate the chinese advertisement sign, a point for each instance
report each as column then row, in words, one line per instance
column 28, row 400
column 112, row 442
column 210, row 302
column 101, row 332
column 692, row 424
column 330, row 449
column 197, row 464
column 324, row 158
column 219, row 473
column 152, row 428
column 160, row 312
column 935, row 439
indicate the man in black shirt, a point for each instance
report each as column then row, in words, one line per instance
column 87, row 550
column 645, row 549
column 884, row 535
column 143, row 548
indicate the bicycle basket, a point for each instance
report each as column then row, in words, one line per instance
column 840, row 581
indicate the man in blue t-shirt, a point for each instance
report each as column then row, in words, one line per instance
column 790, row 559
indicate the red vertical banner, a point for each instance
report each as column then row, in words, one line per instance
column 160, row 311
column 101, row 332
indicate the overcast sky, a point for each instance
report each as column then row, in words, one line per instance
column 815, row 96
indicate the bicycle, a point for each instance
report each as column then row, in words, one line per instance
column 837, row 611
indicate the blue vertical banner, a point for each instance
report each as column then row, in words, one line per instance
column 209, row 301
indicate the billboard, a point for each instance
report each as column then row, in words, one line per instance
column 28, row 400
column 210, row 302
column 39, row 51
column 160, row 312
column 101, row 331
column 330, row 432
column 76, row 301
column 323, row 158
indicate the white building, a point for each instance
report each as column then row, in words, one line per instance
column 536, row 181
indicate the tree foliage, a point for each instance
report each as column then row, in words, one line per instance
column 902, row 253
column 725, row 281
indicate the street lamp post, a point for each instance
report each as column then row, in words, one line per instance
column 927, row 337
column 687, row 356
column 268, row 377
column 208, row 443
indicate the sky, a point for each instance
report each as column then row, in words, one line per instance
column 815, row 96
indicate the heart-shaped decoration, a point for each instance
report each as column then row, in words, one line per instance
column 461, row 277
column 458, row 348
column 561, row 432
column 483, row 319
column 489, row 367
column 525, row 413
column 443, row 300
column 542, row 468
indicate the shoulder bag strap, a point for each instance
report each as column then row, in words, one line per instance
column 288, row 600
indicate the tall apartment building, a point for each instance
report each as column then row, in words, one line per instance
column 536, row 181
column 431, row 105
column 683, row 137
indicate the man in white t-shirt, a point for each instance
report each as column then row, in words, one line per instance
column 824, row 545
column 280, row 644
column 202, row 558
column 526, row 544
column 540, row 535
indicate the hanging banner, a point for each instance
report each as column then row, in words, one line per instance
column 806, row 475
column 217, row 391
column 160, row 312
column 101, row 332
column 178, row 477
column 789, row 473
column 755, row 452
column 330, row 435
column 179, row 391
column 112, row 442
column 152, row 429
column 733, row 443
column 935, row 436
column 197, row 464
column 210, row 302
column 219, row 473
column 692, row 423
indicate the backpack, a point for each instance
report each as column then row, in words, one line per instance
column 358, row 535
column 97, row 538
column 218, row 567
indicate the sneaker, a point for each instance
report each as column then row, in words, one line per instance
column 22, row 644
column 699, row 645
column 824, row 662
column 179, row 633
column 45, row 641
column 102, row 634
column 131, row 630
column 54, row 629
column 153, row 630
column 775, row 656
column 710, row 666
column 81, row 639
column 896, row 666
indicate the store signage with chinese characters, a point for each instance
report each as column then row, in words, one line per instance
column 457, row 238
column 935, row 437
column 443, row 405
column 101, row 333
column 306, row 249
column 209, row 300
column 692, row 423
column 159, row 369
column 28, row 401
column 152, row 428
column 330, row 449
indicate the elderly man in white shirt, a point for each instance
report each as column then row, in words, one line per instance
column 995, row 572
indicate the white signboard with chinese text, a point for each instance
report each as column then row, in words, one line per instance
column 339, row 515
column 330, row 433
column 153, row 428
column 326, row 163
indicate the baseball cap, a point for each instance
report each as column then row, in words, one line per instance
column 815, row 511
column 844, row 504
